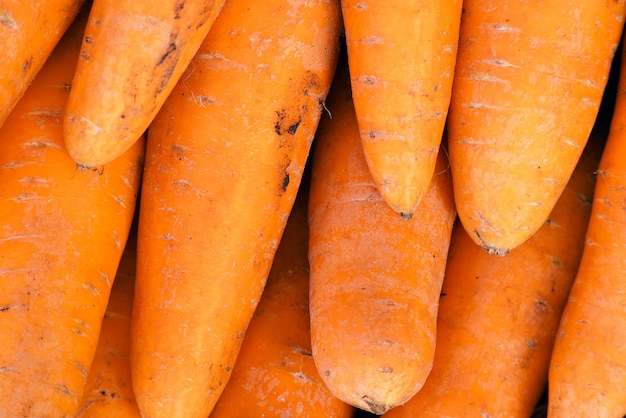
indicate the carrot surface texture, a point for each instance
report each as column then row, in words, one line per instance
column 402, row 56
column 225, row 159
column 274, row 375
column 375, row 276
column 588, row 365
column 64, row 230
column 133, row 54
column 528, row 83
column 498, row 316
column 29, row 31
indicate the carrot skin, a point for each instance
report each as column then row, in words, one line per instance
column 64, row 231
column 225, row 159
column 375, row 276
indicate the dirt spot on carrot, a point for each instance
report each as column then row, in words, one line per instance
column 108, row 394
column 27, row 64
column 7, row 19
column 286, row 122
column 178, row 7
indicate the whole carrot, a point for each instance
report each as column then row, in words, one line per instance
column 29, row 31
column 402, row 56
column 528, row 84
column 498, row 316
column 64, row 230
column 133, row 54
column 375, row 276
column 225, row 159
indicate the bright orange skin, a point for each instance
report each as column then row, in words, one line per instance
column 587, row 370
column 375, row 276
column 63, row 232
column 402, row 56
column 29, row 31
column 498, row 316
column 133, row 54
column 275, row 375
column 527, row 88
column 224, row 161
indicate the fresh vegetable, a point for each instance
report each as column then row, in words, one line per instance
column 375, row 276
column 133, row 54
column 224, row 161
column 527, row 87
column 402, row 56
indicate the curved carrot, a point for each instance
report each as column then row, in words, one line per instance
column 133, row 54
column 29, row 31
column 498, row 316
column 224, row 160
column 274, row 374
column 587, row 369
column 402, row 56
column 375, row 277
column 527, row 88
column 64, row 230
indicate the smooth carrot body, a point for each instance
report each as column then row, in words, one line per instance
column 29, row 31
column 224, row 161
column 64, row 230
column 528, row 84
column 375, row 276
column 133, row 54
column 402, row 56
column 588, row 365
column 274, row 375
column 498, row 316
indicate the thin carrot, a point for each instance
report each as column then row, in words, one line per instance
column 274, row 374
column 133, row 54
column 527, row 88
column 375, row 276
column 29, row 31
column 402, row 56
column 588, row 365
column 224, row 161
column 498, row 316
column 64, row 230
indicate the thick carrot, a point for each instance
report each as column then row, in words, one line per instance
column 274, row 375
column 375, row 276
column 527, row 87
column 64, row 230
column 29, row 31
column 402, row 56
column 133, row 54
column 498, row 316
column 588, row 365
column 109, row 392
column 224, row 161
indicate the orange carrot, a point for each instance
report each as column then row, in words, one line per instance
column 274, row 374
column 498, row 316
column 375, row 277
column 109, row 392
column 29, row 31
column 64, row 230
column 588, row 365
column 224, row 160
column 402, row 57
column 133, row 54
column 527, row 87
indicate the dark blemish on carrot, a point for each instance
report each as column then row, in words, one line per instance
column 285, row 182
column 4, row 308
column 109, row 394
column 386, row 369
column 228, row 368
column 66, row 86
column 293, row 128
column 406, row 215
column 178, row 8
column 327, row 373
column 88, row 39
column 442, row 294
column 171, row 48
column 26, row 64
column 84, row 55
column 99, row 169
column 123, row 116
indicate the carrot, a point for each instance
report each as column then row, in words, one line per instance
column 133, row 54
column 587, row 370
column 64, row 230
column 109, row 392
column 375, row 277
column 402, row 56
column 498, row 316
column 224, row 161
column 274, row 374
column 528, row 84
column 29, row 31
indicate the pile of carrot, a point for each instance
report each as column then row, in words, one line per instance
column 327, row 208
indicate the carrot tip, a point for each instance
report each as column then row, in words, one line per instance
column 497, row 251
column 406, row 215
